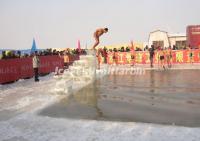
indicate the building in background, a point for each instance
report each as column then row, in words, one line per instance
column 137, row 45
column 193, row 36
column 178, row 39
column 164, row 39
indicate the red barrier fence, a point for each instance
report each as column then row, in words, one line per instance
column 9, row 70
column 14, row 69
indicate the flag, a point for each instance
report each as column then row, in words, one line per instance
column 132, row 46
column 79, row 46
column 33, row 48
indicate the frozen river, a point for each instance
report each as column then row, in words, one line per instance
column 163, row 97
column 113, row 108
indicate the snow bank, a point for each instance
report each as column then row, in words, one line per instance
column 29, row 126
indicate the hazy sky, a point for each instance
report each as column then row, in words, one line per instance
column 60, row 23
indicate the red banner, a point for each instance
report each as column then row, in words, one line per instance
column 49, row 63
column 9, row 70
column 26, row 68
column 14, row 69
column 141, row 57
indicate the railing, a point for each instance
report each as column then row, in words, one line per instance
column 15, row 69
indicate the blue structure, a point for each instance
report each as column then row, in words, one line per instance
column 34, row 48
column 25, row 51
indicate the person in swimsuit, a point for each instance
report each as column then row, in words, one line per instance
column 162, row 58
column 132, row 54
column 169, row 57
column 115, row 56
column 190, row 54
column 97, row 34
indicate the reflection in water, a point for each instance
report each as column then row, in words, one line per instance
column 88, row 96
column 164, row 97
column 152, row 82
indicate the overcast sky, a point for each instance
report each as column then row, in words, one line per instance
column 60, row 23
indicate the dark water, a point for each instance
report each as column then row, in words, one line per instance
column 164, row 97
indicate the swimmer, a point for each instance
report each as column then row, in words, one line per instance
column 97, row 34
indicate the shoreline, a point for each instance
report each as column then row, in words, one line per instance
column 34, row 97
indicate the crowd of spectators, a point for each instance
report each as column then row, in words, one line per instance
column 146, row 48
column 19, row 54
column 10, row 54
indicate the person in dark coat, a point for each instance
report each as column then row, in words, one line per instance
column 151, row 55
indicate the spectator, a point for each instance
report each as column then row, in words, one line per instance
column 36, row 63
column 174, row 47
column 105, row 54
column 66, row 60
column 127, row 49
column 18, row 54
column 138, row 49
column 151, row 55
column 122, row 49
column 190, row 54
column 169, row 57
column 26, row 55
column 115, row 56
column 146, row 48
column 133, row 55
column 4, row 55
column 162, row 57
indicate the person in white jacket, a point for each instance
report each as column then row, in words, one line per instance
column 36, row 63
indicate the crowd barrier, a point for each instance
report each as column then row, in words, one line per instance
column 142, row 57
column 15, row 69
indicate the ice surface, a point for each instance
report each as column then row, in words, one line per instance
column 29, row 126
column 83, row 70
